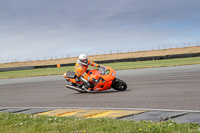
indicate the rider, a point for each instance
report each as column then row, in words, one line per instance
column 81, row 68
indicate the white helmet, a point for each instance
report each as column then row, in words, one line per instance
column 83, row 60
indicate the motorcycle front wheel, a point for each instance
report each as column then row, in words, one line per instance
column 119, row 85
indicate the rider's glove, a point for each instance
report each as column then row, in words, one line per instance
column 95, row 80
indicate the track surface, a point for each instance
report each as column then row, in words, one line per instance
column 176, row 88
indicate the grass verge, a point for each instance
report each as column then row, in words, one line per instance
column 25, row 123
column 116, row 66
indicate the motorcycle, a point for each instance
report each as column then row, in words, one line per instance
column 106, row 77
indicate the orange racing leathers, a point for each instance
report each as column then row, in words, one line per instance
column 80, row 70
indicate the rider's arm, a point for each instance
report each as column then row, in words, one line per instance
column 81, row 72
column 91, row 63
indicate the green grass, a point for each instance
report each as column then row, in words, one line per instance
column 156, row 63
column 23, row 123
column 116, row 66
column 34, row 72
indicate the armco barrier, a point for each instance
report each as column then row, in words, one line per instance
column 46, row 66
column 17, row 68
column 52, row 66
column 107, row 61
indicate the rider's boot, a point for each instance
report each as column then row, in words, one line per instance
column 86, row 84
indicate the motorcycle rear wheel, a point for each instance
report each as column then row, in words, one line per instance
column 119, row 85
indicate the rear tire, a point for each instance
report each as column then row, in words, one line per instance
column 119, row 85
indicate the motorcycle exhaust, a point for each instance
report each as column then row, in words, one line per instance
column 75, row 88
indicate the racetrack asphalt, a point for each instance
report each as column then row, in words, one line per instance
column 174, row 88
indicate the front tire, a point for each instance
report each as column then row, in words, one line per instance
column 119, row 85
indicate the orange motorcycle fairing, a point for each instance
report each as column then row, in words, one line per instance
column 105, row 76
column 101, row 86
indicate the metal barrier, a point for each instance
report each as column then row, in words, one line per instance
column 107, row 61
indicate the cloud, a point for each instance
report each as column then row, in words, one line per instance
column 52, row 28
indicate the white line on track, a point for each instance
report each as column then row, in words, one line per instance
column 141, row 109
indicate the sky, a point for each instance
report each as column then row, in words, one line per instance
column 45, row 29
